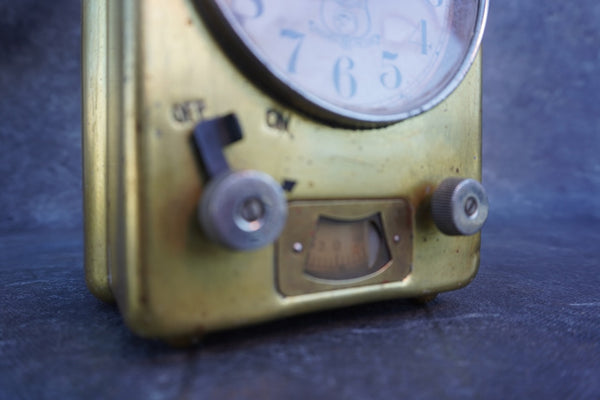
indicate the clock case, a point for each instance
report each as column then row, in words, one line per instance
column 151, row 72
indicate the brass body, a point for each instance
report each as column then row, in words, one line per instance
column 151, row 71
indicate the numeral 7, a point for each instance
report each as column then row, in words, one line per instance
column 299, row 37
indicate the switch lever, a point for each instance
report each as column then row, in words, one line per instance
column 241, row 210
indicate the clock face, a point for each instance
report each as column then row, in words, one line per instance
column 354, row 61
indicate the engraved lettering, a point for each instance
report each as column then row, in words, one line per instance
column 188, row 111
column 278, row 120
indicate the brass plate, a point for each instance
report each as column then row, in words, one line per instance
column 293, row 248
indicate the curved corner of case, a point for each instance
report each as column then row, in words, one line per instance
column 99, row 287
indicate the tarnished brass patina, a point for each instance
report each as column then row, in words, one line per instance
column 151, row 72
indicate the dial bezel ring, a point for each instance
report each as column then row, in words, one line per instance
column 271, row 81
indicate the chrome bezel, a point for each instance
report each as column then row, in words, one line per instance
column 258, row 71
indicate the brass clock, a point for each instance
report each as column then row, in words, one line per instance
column 247, row 160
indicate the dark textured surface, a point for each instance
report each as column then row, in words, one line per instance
column 528, row 326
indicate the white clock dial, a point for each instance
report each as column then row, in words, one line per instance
column 374, row 61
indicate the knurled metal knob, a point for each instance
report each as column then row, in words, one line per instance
column 243, row 210
column 459, row 206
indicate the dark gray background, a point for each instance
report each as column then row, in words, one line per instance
column 528, row 325
column 541, row 111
